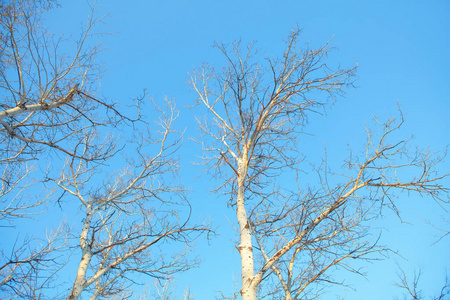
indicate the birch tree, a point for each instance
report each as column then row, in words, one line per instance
column 47, row 106
column 51, row 116
column 129, row 216
column 289, row 241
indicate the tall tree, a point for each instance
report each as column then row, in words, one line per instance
column 256, row 113
column 47, row 107
column 50, row 115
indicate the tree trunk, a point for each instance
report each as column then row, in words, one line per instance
column 248, row 290
column 85, row 244
column 79, row 285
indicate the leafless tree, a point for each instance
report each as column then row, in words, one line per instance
column 256, row 114
column 128, row 215
column 49, row 106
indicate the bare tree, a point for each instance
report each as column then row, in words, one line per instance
column 129, row 215
column 256, row 114
column 49, row 105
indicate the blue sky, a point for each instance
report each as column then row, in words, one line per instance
column 401, row 48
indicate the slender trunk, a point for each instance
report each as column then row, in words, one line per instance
column 98, row 286
column 248, row 291
column 96, row 291
column 85, row 244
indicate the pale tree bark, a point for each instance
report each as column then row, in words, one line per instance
column 48, row 105
column 129, row 215
column 254, row 124
column 245, row 248
column 48, row 99
column 328, row 227
column 255, row 115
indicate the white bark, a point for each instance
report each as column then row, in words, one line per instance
column 18, row 110
column 80, row 280
column 245, row 248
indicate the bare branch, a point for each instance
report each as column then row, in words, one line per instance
column 256, row 114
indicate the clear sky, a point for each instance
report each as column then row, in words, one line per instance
column 402, row 49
